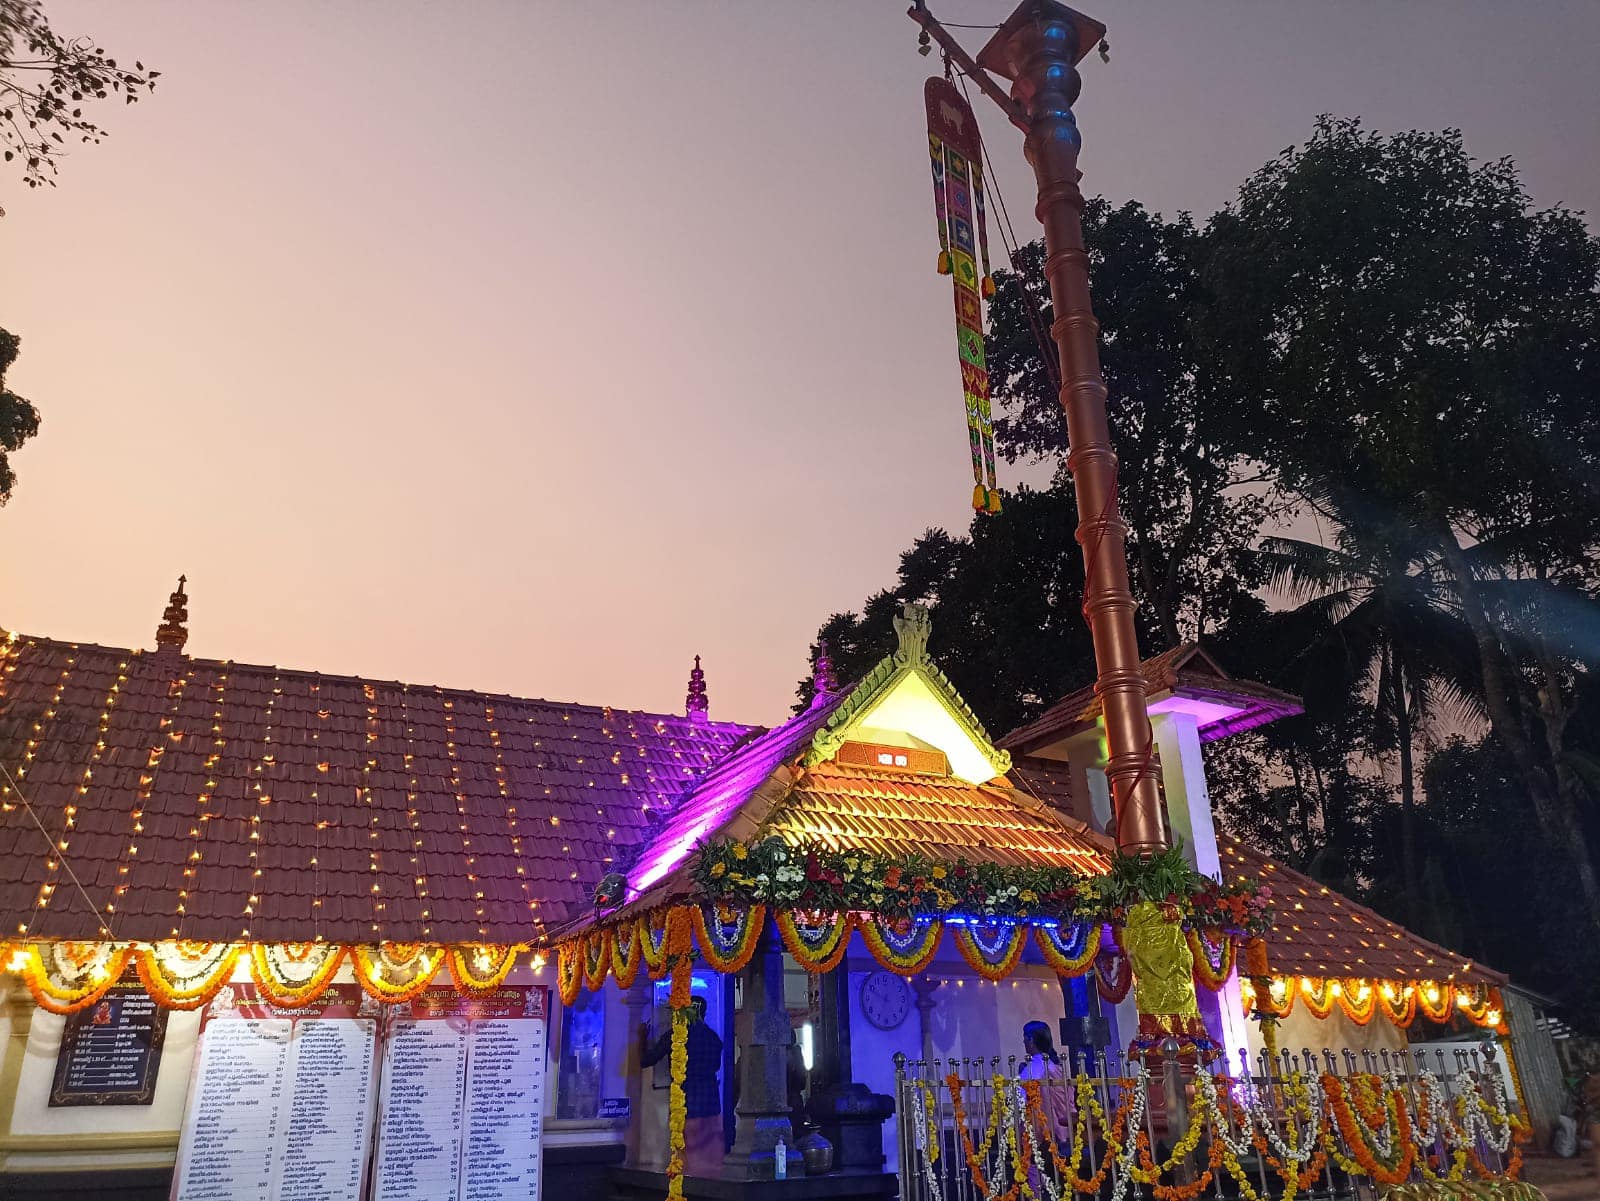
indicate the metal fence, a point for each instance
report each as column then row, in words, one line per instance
column 1343, row 1125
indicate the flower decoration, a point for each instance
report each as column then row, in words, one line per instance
column 294, row 974
column 476, row 970
column 816, row 940
column 726, row 934
column 1069, row 950
column 992, row 950
column 905, row 945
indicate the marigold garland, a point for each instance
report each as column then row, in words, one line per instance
column 905, row 947
column 1357, row 1131
column 1398, row 1003
column 1070, row 956
column 727, row 953
column 477, row 970
column 293, row 975
column 183, row 974
column 1211, row 969
column 415, row 965
column 1318, row 996
column 94, row 968
column 677, row 1105
column 1435, row 1001
column 569, row 970
column 995, row 960
column 627, row 954
column 653, row 942
column 596, row 958
column 817, row 941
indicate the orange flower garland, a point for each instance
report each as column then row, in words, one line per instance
column 392, row 972
column 736, row 954
column 1353, row 1129
column 1397, row 1002
column 823, row 951
column 1318, row 996
column 653, row 941
column 294, row 974
column 89, row 971
column 996, row 962
column 569, row 969
column 1210, row 976
column 596, row 958
column 1435, row 1001
column 1359, row 1000
column 185, row 975
column 1056, row 950
column 478, row 970
column 627, row 953
column 905, row 951
column 677, row 1103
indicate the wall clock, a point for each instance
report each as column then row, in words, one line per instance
column 885, row 999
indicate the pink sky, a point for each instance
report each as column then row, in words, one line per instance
column 538, row 347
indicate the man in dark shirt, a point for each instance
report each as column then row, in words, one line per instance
column 702, row 1090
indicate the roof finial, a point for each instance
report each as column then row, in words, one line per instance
column 912, row 626
column 823, row 683
column 173, row 632
column 697, row 704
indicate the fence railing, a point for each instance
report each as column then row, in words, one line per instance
column 1318, row 1125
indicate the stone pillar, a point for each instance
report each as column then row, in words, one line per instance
column 924, row 987
column 637, row 1000
column 763, row 1114
column 1183, row 779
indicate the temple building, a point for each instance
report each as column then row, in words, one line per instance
column 197, row 840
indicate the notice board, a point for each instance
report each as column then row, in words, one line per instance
column 348, row 1100
column 110, row 1052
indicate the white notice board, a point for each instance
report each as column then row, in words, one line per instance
column 284, row 1103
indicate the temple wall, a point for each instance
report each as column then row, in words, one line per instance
column 143, row 1139
column 1335, row 1032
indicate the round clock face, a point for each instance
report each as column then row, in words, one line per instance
column 885, row 1000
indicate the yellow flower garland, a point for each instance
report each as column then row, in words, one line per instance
column 1061, row 964
column 824, row 957
column 278, row 986
column 755, row 918
column 185, row 975
column 904, row 963
column 1203, row 973
column 375, row 965
column 88, row 982
column 569, row 969
column 994, row 972
column 596, row 958
column 478, row 970
column 627, row 953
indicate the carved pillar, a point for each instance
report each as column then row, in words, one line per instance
column 1037, row 49
column 637, row 1000
column 763, row 1115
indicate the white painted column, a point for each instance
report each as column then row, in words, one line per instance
column 1183, row 779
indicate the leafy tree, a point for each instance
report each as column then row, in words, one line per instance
column 19, row 420
column 1425, row 347
column 46, row 80
column 1387, row 629
column 1190, row 496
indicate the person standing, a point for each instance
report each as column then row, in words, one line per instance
column 703, row 1146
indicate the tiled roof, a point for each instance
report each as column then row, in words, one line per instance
column 893, row 813
column 411, row 812
column 1322, row 934
column 1186, row 670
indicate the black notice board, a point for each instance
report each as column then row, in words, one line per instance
column 110, row 1052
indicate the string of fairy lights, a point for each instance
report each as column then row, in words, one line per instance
column 508, row 804
column 474, row 887
column 419, row 874
column 168, row 735
column 209, row 768
column 371, row 731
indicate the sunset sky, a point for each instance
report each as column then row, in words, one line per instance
column 537, row 347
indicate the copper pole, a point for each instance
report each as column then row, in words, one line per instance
column 1037, row 49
